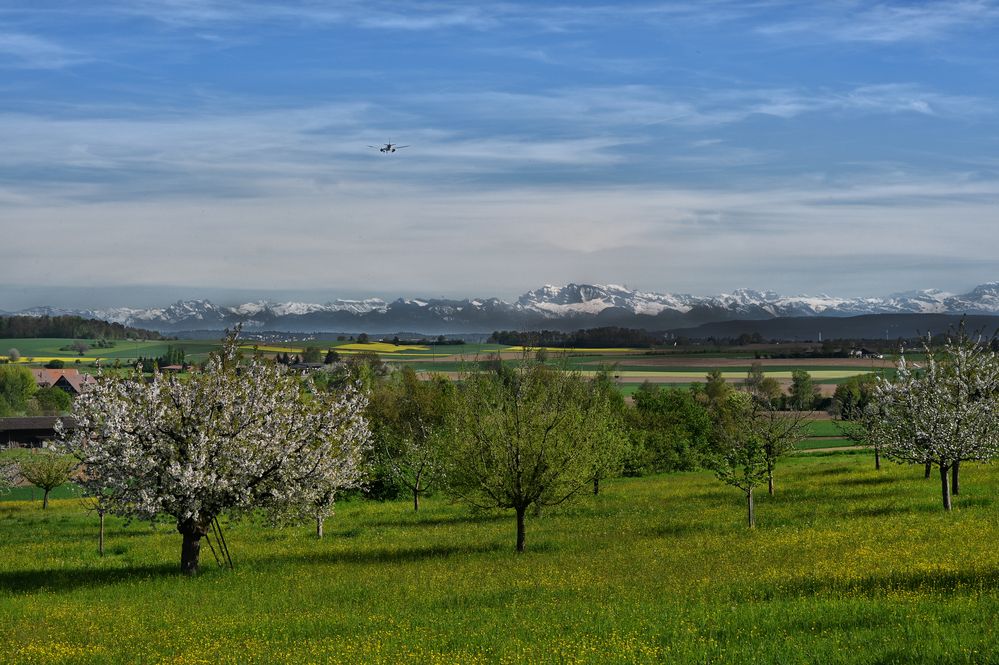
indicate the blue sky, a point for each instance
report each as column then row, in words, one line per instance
column 196, row 148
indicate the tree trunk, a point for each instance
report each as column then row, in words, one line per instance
column 770, row 481
column 929, row 468
column 877, row 458
column 752, row 508
column 945, row 486
column 319, row 526
column 45, row 500
column 190, row 550
column 416, row 500
column 955, row 486
column 521, row 531
column 596, row 485
column 100, row 538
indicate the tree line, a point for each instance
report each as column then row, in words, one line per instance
column 594, row 338
column 69, row 326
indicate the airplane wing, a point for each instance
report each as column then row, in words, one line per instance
column 401, row 146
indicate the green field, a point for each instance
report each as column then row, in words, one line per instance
column 824, row 428
column 825, row 442
column 50, row 347
column 847, row 565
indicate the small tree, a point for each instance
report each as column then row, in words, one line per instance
column 778, row 432
column 53, row 400
column 943, row 413
column 13, row 355
column 803, row 391
column 740, row 459
column 524, row 436
column 99, row 502
column 612, row 444
column 79, row 347
column 232, row 439
column 671, row 430
column 47, row 470
column 853, row 403
column 409, row 424
column 716, row 389
column 17, row 387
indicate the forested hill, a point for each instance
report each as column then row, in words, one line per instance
column 870, row 326
column 69, row 326
column 605, row 337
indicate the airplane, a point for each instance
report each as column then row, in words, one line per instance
column 388, row 147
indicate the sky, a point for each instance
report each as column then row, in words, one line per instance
column 155, row 150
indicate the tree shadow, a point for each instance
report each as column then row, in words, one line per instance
column 719, row 494
column 68, row 579
column 394, row 554
column 833, row 471
column 416, row 519
column 879, row 511
column 879, row 585
column 876, row 480
column 674, row 530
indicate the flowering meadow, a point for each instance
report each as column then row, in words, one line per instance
column 848, row 564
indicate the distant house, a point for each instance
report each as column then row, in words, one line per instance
column 866, row 353
column 306, row 367
column 70, row 380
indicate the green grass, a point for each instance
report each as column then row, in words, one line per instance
column 825, row 442
column 847, row 565
column 823, row 428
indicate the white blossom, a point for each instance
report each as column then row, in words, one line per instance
column 231, row 439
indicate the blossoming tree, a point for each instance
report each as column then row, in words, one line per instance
column 235, row 438
column 942, row 413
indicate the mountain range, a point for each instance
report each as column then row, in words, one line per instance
column 566, row 307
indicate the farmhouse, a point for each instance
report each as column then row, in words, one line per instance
column 70, row 380
column 30, row 432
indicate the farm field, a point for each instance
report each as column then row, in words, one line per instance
column 631, row 367
column 847, row 565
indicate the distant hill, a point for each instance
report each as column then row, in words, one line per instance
column 869, row 326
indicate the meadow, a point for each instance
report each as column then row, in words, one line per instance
column 847, row 565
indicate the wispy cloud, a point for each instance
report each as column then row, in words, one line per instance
column 888, row 22
column 34, row 52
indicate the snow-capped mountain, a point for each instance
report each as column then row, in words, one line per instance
column 568, row 307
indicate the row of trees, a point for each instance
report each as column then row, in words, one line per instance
column 604, row 337
column 69, row 326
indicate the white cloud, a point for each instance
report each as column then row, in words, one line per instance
column 33, row 52
column 888, row 22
